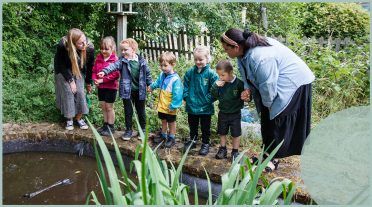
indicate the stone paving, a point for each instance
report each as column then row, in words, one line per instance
column 288, row 167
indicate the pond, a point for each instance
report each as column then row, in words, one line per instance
column 31, row 171
column 28, row 172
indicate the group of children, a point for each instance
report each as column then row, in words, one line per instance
column 201, row 86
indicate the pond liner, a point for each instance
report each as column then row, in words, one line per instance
column 83, row 148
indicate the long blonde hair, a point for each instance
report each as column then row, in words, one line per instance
column 72, row 37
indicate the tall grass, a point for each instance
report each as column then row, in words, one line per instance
column 159, row 184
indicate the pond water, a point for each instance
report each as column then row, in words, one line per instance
column 28, row 172
column 31, row 171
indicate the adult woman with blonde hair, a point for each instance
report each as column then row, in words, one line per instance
column 73, row 64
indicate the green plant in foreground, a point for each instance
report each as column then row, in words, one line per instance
column 159, row 184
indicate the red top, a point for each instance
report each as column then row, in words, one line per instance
column 111, row 80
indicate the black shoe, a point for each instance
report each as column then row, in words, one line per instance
column 188, row 143
column 158, row 139
column 204, row 149
column 234, row 155
column 169, row 143
column 127, row 135
column 112, row 128
column 105, row 124
column 99, row 130
column 105, row 132
column 275, row 163
column 222, row 153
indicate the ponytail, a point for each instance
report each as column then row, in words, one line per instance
column 245, row 39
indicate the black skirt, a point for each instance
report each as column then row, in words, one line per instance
column 292, row 124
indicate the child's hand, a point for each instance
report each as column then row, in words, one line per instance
column 73, row 87
column 220, row 83
column 98, row 81
column 100, row 74
column 149, row 89
column 89, row 88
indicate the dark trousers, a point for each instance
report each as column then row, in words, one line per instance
column 292, row 125
column 140, row 109
column 205, row 122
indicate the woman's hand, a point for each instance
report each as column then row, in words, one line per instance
column 89, row 88
column 246, row 95
column 73, row 86
column 220, row 83
column 98, row 81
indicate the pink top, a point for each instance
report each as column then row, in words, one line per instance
column 110, row 81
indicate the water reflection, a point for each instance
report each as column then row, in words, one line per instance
column 32, row 171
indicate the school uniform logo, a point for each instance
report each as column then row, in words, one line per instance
column 206, row 80
column 235, row 92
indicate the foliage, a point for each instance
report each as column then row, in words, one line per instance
column 160, row 19
column 31, row 31
column 282, row 18
column 334, row 19
column 159, row 184
column 30, row 99
column 342, row 78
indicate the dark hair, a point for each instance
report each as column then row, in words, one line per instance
column 246, row 39
column 225, row 66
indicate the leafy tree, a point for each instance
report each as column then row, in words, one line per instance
column 159, row 19
column 334, row 19
column 31, row 31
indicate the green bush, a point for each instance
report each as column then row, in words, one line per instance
column 30, row 98
column 31, row 31
column 342, row 78
column 334, row 19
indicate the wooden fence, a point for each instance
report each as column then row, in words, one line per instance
column 181, row 44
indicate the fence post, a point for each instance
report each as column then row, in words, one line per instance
column 172, row 42
column 321, row 41
column 205, row 39
column 179, row 43
column 152, row 50
column 347, row 41
column 338, row 43
column 189, row 49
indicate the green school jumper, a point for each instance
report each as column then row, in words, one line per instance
column 134, row 71
column 229, row 96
